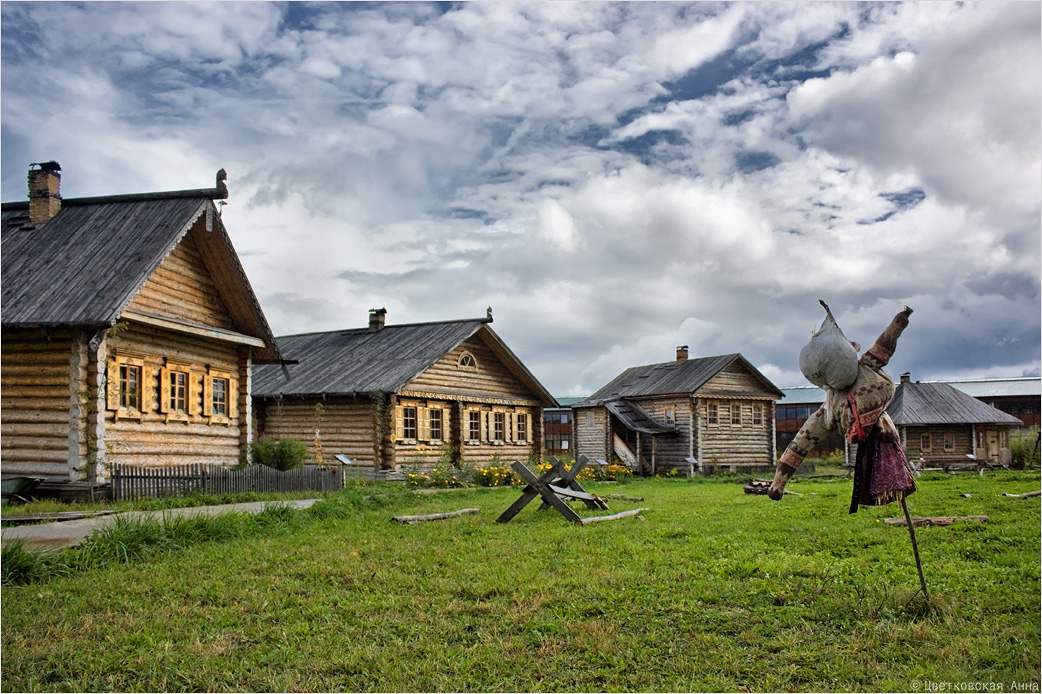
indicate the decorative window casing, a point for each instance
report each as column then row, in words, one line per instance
column 421, row 422
column 671, row 416
column 178, row 392
column 926, row 443
column 467, row 362
column 473, row 426
column 949, row 443
column 521, row 428
column 129, row 387
column 220, row 397
column 436, row 425
column 499, row 427
column 758, row 415
column 712, row 413
column 736, row 414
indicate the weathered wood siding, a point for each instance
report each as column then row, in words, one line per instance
column 669, row 451
column 488, row 381
column 961, row 440
column 591, row 437
column 182, row 289
column 153, row 437
column 346, row 426
column 731, row 442
column 43, row 379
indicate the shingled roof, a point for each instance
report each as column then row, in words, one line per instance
column 85, row 265
column 670, row 378
column 917, row 403
column 360, row 361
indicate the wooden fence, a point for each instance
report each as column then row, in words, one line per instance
column 132, row 482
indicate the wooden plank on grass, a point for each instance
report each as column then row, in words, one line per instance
column 598, row 519
column 937, row 520
column 434, row 516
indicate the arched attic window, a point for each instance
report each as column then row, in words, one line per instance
column 467, row 362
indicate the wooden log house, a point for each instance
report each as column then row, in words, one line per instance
column 129, row 333
column 942, row 426
column 391, row 395
column 708, row 414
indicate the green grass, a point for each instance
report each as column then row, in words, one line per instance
column 714, row 590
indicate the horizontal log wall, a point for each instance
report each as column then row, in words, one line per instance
column 962, row 438
column 490, row 377
column 591, row 441
column 346, row 427
column 40, row 386
column 727, row 443
column 670, row 451
column 152, row 440
column 182, row 289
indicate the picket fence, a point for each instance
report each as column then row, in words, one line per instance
column 133, row 482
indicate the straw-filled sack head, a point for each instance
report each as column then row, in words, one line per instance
column 829, row 360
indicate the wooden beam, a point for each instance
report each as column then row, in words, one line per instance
column 412, row 520
column 191, row 329
column 937, row 520
column 597, row 519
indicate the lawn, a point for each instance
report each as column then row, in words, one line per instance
column 709, row 590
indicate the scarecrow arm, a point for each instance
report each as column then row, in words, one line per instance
column 879, row 355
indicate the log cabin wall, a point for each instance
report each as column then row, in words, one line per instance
column 43, row 379
column 937, row 445
column 592, row 434
column 669, row 451
column 175, row 415
column 480, row 376
column 182, row 289
column 734, row 432
column 346, row 426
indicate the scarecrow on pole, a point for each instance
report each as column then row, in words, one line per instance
column 857, row 392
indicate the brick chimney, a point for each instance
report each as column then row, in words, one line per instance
column 906, row 377
column 377, row 316
column 681, row 354
column 45, row 200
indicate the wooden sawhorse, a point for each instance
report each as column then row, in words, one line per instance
column 553, row 486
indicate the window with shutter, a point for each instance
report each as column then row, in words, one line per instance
column 128, row 387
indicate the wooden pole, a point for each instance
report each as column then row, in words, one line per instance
column 915, row 549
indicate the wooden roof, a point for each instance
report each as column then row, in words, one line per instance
column 918, row 403
column 634, row 418
column 83, row 267
column 358, row 362
column 672, row 378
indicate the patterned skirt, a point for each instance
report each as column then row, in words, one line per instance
column 881, row 473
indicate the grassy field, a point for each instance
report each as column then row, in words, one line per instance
column 712, row 590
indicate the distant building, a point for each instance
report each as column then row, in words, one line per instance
column 557, row 427
column 989, row 429
column 711, row 413
column 417, row 393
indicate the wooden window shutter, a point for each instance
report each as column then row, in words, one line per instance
column 446, row 435
column 192, row 406
column 423, row 424
column 208, row 396
column 512, row 434
column 399, row 423
column 233, row 398
column 486, row 433
column 147, row 391
column 164, row 390
column 112, row 394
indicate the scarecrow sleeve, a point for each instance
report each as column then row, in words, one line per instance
column 809, row 437
column 879, row 355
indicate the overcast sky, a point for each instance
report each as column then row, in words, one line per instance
column 613, row 179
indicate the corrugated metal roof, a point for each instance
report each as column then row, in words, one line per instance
column 357, row 362
column 939, row 403
column 672, row 378
column 802, row 395
column 978, row 388
column 634, row 418
column 999, row 387
column 83, row 266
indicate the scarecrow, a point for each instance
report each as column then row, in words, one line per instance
column 857, row 392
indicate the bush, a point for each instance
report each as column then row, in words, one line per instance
column 1024, row 449
column 283, row 454
column 495, row 475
